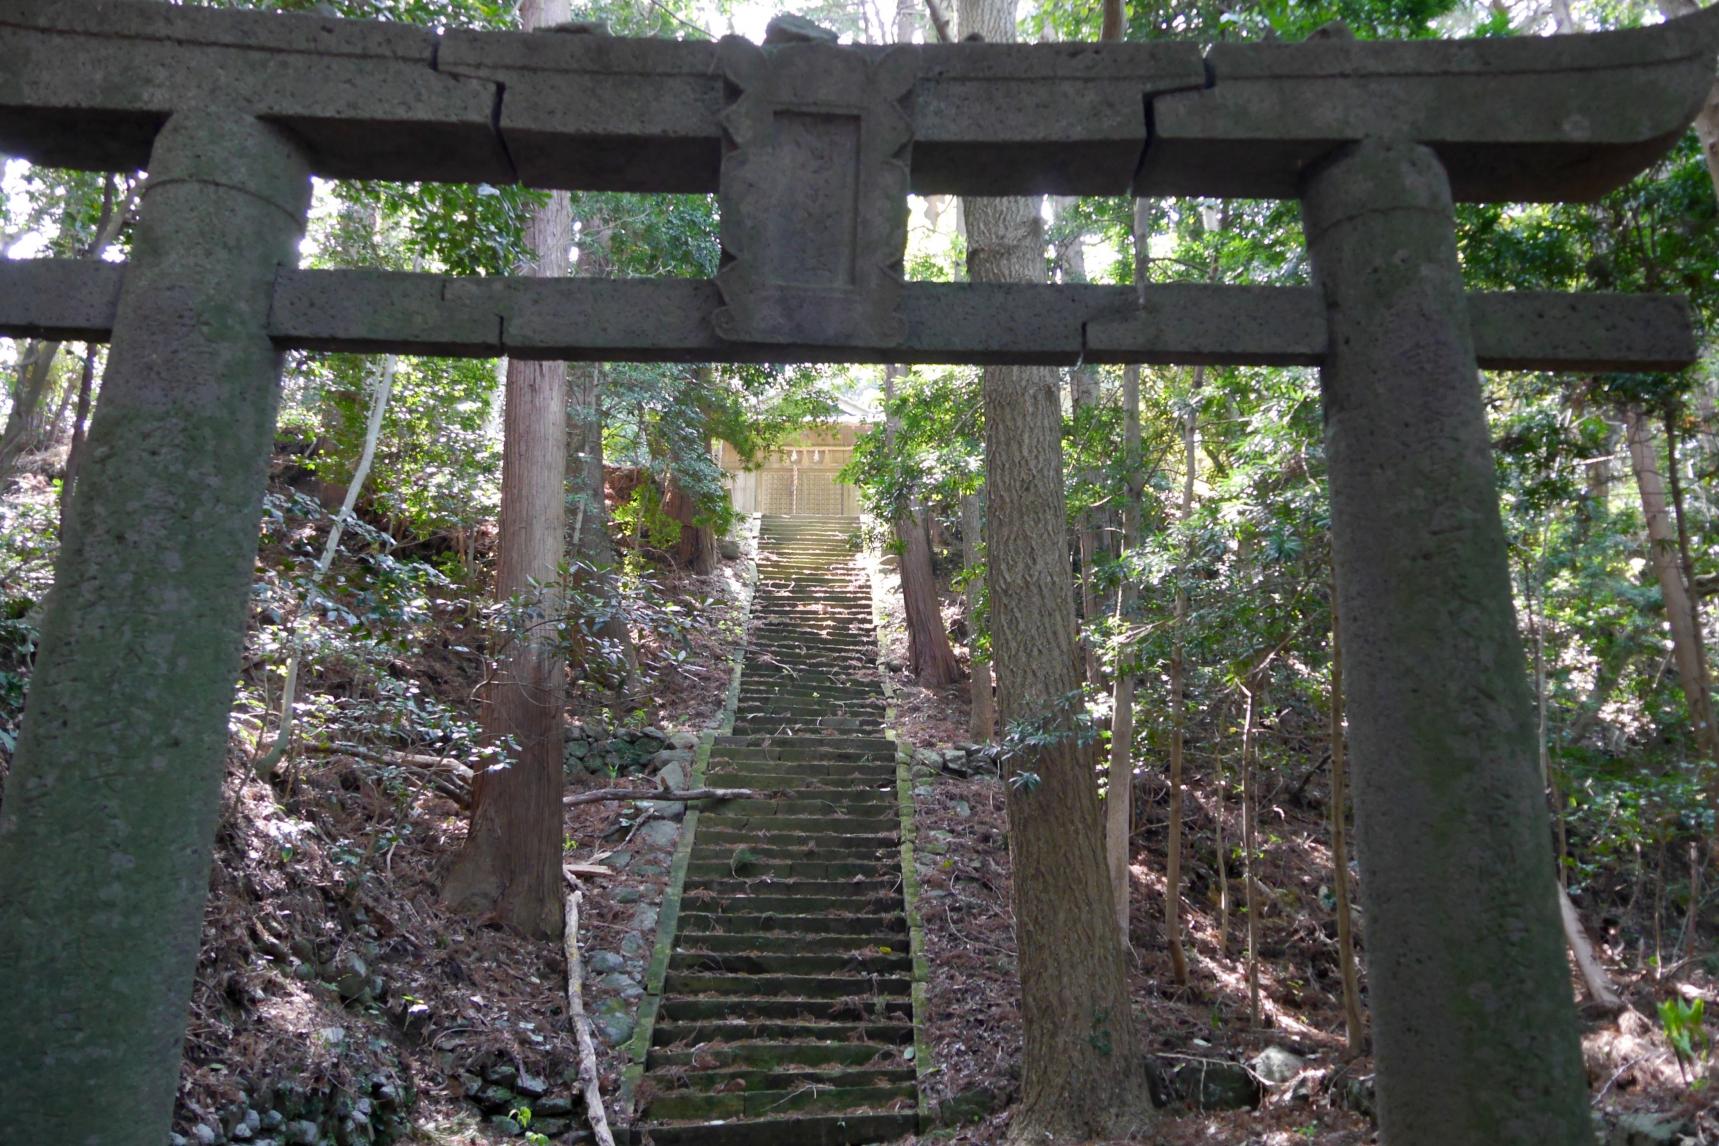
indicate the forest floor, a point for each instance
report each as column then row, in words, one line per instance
column 973, row 995
column 328, row 963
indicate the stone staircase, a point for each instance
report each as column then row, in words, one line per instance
column 786, row 1008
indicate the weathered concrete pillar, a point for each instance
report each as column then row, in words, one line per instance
column 111, row 807
column 1473, row 1018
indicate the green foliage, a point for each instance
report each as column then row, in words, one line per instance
column 1682, row 1020
column 936, row 451
column 642, row 514
column 29, row 540
column 1063, row 723
column 455, row 228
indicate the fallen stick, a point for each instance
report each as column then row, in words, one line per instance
column 663, row 794
column 1594, row 977
column 587, row 869
column 582, row 1025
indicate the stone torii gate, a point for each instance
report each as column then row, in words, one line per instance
column 812, row 148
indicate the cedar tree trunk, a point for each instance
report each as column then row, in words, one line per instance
column 510, row 866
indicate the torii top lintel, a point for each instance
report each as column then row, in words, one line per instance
column 89, row 82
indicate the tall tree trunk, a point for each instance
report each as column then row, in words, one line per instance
column 982, row 714
column 1355, row 1031
column 80, row 420
column 24, row 422
column 1664, row 553
column 1707, row 120
column 1179, row 703
column 704, row 557
column 607, row 654
column 612, row 659
column 510, row 866
column 929, row 657
column 1250, row 880
column 1119, row 798
column 1083, row 1076
column 1083, row 396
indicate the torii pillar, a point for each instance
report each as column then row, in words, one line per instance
column 1459, row 884
column 152, row 583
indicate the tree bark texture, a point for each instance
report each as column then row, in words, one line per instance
column 1474, row 1027
column 1083, row 1077
column 1083, row 397
column 982, row 708
column 929, row 657
column 1119, row 797
column 80, row 424
column 26, row 428
column 510, row 866
column 1355, row 1031
column 1665, row 556
column 115, row 791
column 24, row 421
column 613, row 660
column 1250, row 880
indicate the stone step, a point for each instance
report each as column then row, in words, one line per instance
column 789, row 725
column 789, row 776
column 757, row 1104
column 758, row 858
column 798, row 963
column 768, row 702
column 769, row 628
column 793, row 724
column 855, row 803
column 799, row 756
column 880, row 927
column 810, row 887
column 772, row 846
column 683, row 983
column 749, row 1080
column 766, row 903
column 746, row 1030
column 809, row 667
column 722, row 943
column 812, row 604
column 853, row 1009
column 845, row 793
column 773, row 1054
column 807, row 650
column 833, row 824
column 805, row 1130
column 728, row 868
column 840, row 743
column 838, row 576
column 839, row 676
column 801, row 716
column 755, row 688
column 803, row 648
column 837, row 579
column 798, row 722
column 835, row 550
column 867, row 783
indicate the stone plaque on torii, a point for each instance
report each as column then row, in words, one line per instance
column 811, row 149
